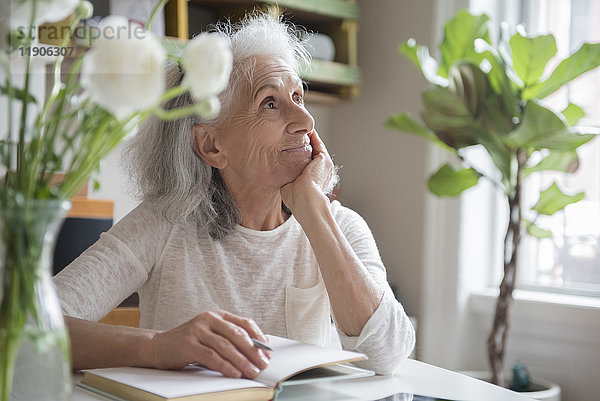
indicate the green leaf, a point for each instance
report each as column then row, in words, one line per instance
column 404, row 122
column 556, row 161
column 536, row 231
column 540, row 128
column 500, row 154
column 19, row 94
column 552, row 200
column 495, row 117
column 419, row 55
column 470, row 84
column 450, row 182
column 459, row 36
column 573, row 113
column 409, row 49
column 446, row 115
column 498, row 77
column 583, row 60
column 530, row 56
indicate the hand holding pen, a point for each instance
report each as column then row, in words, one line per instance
column 217, row 340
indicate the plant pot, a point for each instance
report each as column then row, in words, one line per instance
column 34, row 343
column 540, row 389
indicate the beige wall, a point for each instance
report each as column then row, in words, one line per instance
column 383, row 171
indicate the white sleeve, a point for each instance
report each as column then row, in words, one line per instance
column 388, row 337
column 114, row 267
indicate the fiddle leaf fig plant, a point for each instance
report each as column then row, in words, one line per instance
column 489, row 94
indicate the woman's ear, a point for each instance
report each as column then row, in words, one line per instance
column 205, row 146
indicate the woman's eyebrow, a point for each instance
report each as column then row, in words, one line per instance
column 270, row 85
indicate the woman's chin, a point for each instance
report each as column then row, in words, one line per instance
column 294, row 170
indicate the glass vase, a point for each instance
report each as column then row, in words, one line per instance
column 34, row 344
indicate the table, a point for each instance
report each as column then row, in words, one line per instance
column 412, row 377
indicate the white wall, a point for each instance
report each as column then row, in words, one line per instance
column 114, row 185
column 555, row 336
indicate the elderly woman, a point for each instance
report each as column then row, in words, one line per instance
column 235, row 236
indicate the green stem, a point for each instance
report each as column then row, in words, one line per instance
column 12, row 313
column 71, row 122
column 170, row 115
column 57, row 73
column 49, row 131
column 8, row 357
column 159, row 6
column 99, row 147
column 21, row 145
column 60, row 57
column 7, row 157
column 171, row 93
column 23, row 235
column 495, row 183
column 79, row 169
column 54, row 126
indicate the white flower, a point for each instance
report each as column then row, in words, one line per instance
column 209, row 108
column 124, row 70
column 19, row 11
column 207, row 62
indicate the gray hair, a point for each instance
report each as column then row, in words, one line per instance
column 160, row 158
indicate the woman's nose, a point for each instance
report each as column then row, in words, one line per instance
column 300, row 120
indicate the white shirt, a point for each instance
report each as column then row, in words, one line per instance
column 269, row 276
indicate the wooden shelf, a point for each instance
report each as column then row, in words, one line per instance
column 123, row 316
column 332, row 8
column 342, row 9
column 330, row 73
column 336, row 18
column 313, row 97
column 83, row 207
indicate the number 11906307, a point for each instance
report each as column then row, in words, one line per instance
column 46, row 51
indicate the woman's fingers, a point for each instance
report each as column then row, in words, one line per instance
column 316, row 142
column 321, row 170
column 229, row 352
column 209, row 358
column 248, row 324
column 242, row 342
column 217, row 340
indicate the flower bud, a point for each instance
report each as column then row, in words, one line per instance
column 207, row 62
column 123, row 73
column 209, row 108
column 84, row 10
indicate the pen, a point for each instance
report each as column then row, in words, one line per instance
column 261, row 345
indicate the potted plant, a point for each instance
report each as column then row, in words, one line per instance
column 489, row 95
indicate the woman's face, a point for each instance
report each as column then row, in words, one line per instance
column 265, row 136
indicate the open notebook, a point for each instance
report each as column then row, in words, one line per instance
column 291, row 363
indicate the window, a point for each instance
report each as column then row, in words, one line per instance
column 570, row 261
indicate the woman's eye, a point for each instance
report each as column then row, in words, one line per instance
column 299, row 99
column 269, row 103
